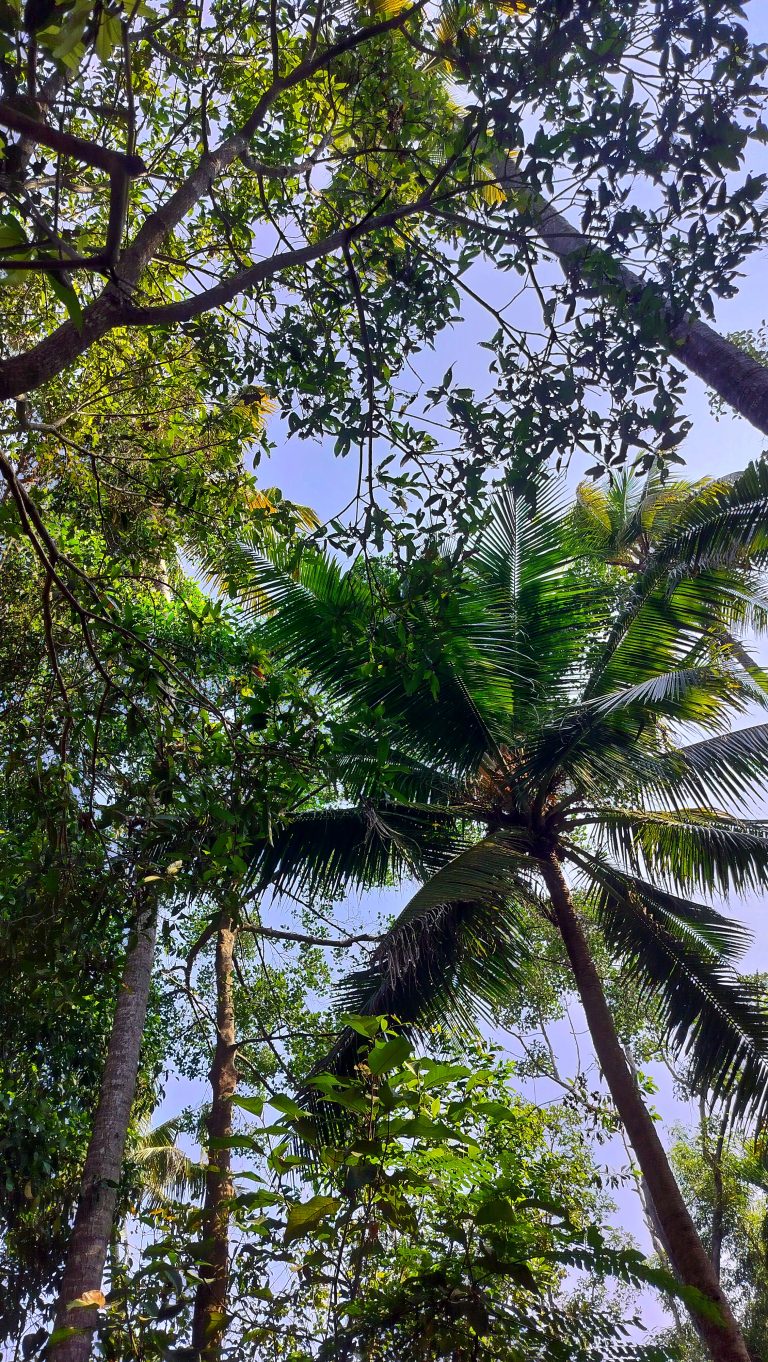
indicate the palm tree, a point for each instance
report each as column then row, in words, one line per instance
column 622, row 519
column 158, row 1170
column 539, row 707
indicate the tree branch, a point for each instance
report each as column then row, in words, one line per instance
column 51, row 356
column 340, row 943
column 739, row 379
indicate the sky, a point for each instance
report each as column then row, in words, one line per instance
column 310, row 474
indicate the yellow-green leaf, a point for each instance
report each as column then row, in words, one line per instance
column 109, row 35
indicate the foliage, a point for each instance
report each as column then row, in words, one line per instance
column 220, row 218
column 118, row 796
column 451, row 1216
column 300, row 203
column 515, row 694
column 723, row 1175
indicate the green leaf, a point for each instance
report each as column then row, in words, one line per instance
column 440, row 1075
column 66, row 295
column 255, row 1105
column 109, row 35
column 384, row 1058
column 364, row 1026
column 497, row 1210
column 421, row 1128
column 12, row 233
column 286, row 1105
column 305, row 1216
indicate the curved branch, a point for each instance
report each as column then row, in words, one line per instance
column 25, row 372
column 56, row 352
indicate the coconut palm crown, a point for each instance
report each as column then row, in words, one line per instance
column 521, row 717
column 537, row 707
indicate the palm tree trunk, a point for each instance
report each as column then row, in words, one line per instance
column 688, row 1257
column 211, row 1299
column 740, row 380
column 92, row 1230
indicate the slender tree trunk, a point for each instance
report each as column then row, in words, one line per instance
column 688, row 1256
column 740, row 380
column 114, row 1338
column 211, row 1300
column 714, row 1157
column 94, row 1218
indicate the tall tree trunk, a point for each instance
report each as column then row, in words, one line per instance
column 740, row 380
column 94, row 1218
column 714, row 1157
column 688, row 1257
column 211, row 1300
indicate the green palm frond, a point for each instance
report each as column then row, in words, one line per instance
column 622, row 520
column 729, row 767
column 660, row 630
column 692, row 584
column 660, row 525
column 161, row 1169
column 537, row 608
column 726, row 523
column 699, row 694
column 693, row 849
column 323, row 854
column 613, row 745
column 679, row 955
column 456, row 948
column 401, row 778
column 375, row 645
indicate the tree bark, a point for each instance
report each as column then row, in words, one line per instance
column 740, row 380
column 210, row 1311
column 94, row 1218
column 688, row 1257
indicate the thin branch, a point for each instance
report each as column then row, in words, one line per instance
column 289, row 172
column 229, row 289
column 357, row 294
column 336, row 944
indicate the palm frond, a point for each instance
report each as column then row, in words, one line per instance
column 400, row 778
column 696, row 850
column 162, row 1170
column 692, row 585
column 621, row 521
column 731, row 766
column 726, row 522
column 678, row 955
column 616, row 745
column 375, row 645
column 727, row 769
column 538, row 610
column 456, row 947
column 328, row 852
column 685, row 694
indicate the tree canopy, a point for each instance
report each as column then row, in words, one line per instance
column 318, row 837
